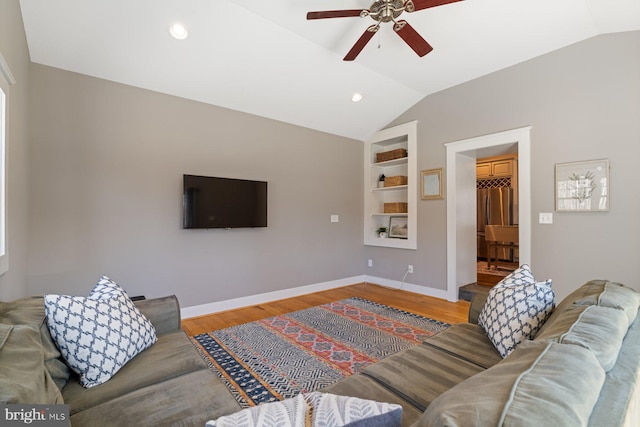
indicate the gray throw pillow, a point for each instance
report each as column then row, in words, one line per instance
column 610, row 294
column 599, row 329
column 30, row 311
column 23, row 377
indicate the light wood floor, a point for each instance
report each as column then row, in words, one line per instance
column 433, row 308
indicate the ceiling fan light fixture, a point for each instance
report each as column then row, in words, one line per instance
column 357, row 97
column 383, row 11
column 178, row 31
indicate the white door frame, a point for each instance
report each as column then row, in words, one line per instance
column 469, row 148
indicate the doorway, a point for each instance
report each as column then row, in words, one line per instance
column 497, row 213
column 462, row 204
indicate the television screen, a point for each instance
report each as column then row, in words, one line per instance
column 210, row 202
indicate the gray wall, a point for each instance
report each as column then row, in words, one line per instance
column 103, row 178
column 106, row 194
column 13, row 45
column 583, row 102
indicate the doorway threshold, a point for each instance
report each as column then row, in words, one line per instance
column 467, row 292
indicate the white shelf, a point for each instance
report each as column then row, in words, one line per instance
column 394, row 162
column 403, row 136
column 389, row 242
column 394, row 188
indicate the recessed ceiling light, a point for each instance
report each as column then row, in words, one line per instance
column 357, row 97
column 178, row 31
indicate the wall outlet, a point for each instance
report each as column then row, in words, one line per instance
column 370, row 263
column 410, row 269
column 335, row 218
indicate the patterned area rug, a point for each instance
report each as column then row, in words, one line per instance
column 307, row 350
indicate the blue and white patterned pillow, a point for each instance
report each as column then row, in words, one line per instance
column 516, row 309
column 347, row 411
column 520, row 276
column 105, row 289
column 98, row 335
column 316, row 410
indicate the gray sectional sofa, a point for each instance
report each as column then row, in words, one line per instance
column 168, row 384
column 582, row 368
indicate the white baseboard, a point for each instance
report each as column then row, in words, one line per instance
column 395, row 284
column 218, row 306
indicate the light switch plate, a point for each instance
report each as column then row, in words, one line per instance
column 546, row 218
column 335, row 218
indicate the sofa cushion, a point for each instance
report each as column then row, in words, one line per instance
column 30, row 311
column 599, row 329
column 317, row 410
column 421, row 373
column 367, row 388
column 171, row 356
column 539, row 384
column 23, row 376
column 619, row 401
column 609, row 294
column 619, row 297
column 468, row 342
column 515, row 313
column 99, row 334
column 163, row 313
column 477, row 304
column 188, row 400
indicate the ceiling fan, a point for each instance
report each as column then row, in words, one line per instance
column 385, row 11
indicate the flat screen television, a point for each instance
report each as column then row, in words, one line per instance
column 211, row 202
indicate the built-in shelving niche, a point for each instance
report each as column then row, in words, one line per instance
column 403, row 136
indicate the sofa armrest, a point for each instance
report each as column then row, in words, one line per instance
column 164, row 313
column 477, row 303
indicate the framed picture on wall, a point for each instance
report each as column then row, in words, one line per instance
column 431, row 184
column 398, row 227
column 583, row 186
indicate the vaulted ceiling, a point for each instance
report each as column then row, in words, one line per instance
column 265, row 58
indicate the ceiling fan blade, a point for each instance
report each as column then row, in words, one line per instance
column 425, row 4
column 334, row 14
column 361, row 43
column 412, row 38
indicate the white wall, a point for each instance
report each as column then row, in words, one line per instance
column 583, row 102
column 106, row 194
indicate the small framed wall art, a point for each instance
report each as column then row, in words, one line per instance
column 431, row 184
column 398, row 227
column 583, row 186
